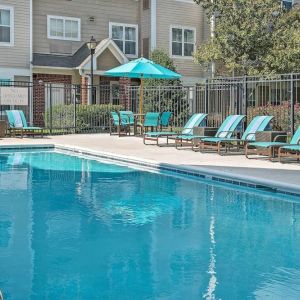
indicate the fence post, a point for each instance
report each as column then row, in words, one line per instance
column 74, row 99
column 159, row 99
column 245, row 97
column 206, row 96
column 292, row 105
column 30, row 114
column 50, row 100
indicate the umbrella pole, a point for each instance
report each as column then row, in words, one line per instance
column 141, row 99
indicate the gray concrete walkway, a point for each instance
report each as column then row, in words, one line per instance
column 255, row 170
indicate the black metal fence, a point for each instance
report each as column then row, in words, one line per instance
column 64, row 108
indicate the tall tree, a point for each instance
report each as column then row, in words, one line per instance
column 166, row 95
column 249, row 35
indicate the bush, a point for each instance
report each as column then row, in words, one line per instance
column 166, row 95
column 88, row 117
column 281, row 113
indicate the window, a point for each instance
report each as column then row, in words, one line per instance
column 63, row 28
column 146, row 4
column 126, row 37
column 6, row 25
column 182, row 41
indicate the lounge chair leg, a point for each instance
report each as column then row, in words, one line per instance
column 279, row 156
column 271, row 153
column 246, row 151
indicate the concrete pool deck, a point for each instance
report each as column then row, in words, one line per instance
column 258, row 171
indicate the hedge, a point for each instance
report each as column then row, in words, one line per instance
column 88, row 117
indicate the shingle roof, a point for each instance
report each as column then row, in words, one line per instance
column 62, row 61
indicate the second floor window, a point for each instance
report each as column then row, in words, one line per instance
column 63, row 28
column 126, row 37
column 6, row 25
column 182, row 41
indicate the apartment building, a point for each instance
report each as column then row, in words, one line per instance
column 46, row 40
column 15, row 40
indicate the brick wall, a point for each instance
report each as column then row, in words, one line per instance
column 39, row 81
column 84, row 90
column 124, row 95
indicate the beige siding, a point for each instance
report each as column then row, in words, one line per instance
column 18, row 55
column 172, row 12
column 107, row 61
column 145, row 24
column 104, row 11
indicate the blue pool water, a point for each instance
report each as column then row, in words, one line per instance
column 73, row 228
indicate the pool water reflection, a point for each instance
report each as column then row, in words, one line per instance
column 73, row 228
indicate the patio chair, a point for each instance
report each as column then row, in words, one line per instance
column 230, row 125
column 259, row 123
column 196, row 120
column 270, row 149
column 121, row 124
column 165, row 120
column 18, row 125
column 151, row 120
column 131, row 120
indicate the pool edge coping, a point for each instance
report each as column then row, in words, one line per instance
column 219, row 176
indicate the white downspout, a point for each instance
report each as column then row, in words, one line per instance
column 31, row 58
column 212, row 35
column 153, row 24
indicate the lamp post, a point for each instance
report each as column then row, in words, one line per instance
column 92, row 44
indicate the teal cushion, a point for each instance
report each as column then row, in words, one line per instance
column 292, row 147
column 160, row 133
column 266, row 144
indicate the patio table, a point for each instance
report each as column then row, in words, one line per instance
column 138, row 121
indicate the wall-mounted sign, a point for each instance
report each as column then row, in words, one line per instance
column 10, row 95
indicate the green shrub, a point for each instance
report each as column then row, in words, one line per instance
column 281, row 114
column 88, row 117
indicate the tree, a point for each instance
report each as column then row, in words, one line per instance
column 166, row 95
column 249, row 35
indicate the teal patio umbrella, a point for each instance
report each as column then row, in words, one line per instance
column 142, row 68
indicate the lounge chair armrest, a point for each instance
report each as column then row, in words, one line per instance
column 280, row 136
column 246, row 137
column 227, row 132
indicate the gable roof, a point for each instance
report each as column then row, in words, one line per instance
column 81, row 58
column 102, row 46
column 61, row 61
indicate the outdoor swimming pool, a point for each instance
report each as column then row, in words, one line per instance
column 74, row 228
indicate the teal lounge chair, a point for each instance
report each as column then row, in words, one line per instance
column 17, row 124
column 196, row 120
column 271, row 148
column 259, row 123
column 230, row 125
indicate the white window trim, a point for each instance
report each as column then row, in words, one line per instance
column 170, row 41
column 12, row 26
column 111, row 24
column 64, row 19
